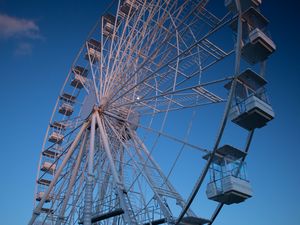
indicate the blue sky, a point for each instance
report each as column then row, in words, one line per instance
column 36, row 52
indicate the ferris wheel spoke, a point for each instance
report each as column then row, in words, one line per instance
column 198, row 105
column 151, row 31
column 150, row 57
column 80, row 192
column 165, row 180
column 95, row 85
column 194, row 91
column 132, row 36
column 165, row 209
column 212, row 98
column 172, row 60
column 53, row 182
column 132, row 75
column 150, row 60
column 120, row 189
column 134, row 88
column 144, row 207
column 72, row 181
column 87, row 218
column 56, row 198
column 103, row 189
column 160, row 133
column 148, row 177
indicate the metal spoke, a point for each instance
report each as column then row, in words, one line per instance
column 147, row 72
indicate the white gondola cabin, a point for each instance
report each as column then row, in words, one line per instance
column 191, row 220
column 250, row 108
column 79, row 70
column 109, row 25
column 128, row 7
column 58, row 125
column 257, row 44
column 79, row 78
column 40, row 195
column 258, row 47
column 78, row 81
column 228, row 183
column 50, row 153
column 56, row 137
column 44, row 182
column 48, row 167
column 68, row 98
column 66, row 107
column 47, row 210
column 93, row 51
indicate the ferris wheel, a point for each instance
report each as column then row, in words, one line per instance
column 155, row 118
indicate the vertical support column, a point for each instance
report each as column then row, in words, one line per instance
column 71, row 183
column 88, row 201
column 166, row 211
column 121, row 192
column 121, row 172
column 38, row 209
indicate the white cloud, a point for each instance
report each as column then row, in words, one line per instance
column 12, row 27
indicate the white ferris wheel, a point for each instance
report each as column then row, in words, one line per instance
column 155, row 118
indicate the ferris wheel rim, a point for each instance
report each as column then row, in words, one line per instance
column 107, row 103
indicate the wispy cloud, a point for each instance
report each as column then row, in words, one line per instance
column 23, row 32
column 12, row 27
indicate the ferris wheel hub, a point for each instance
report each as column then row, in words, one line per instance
column 103, row 103
column 136, row 92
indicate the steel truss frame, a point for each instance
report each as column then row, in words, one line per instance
column 155, row 62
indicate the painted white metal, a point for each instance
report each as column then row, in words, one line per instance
column 257, row 34
column 78, row 81
column 252, row 113
column 229, row 190
column 258, row 48
column 61, row 216
column 38, row 208
column 48, row 166
column 88, row 201
column 56, row 137
column 129, row 217
column 66, row 109
column 235, row 184
column 152, row 61
column 40, row 195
